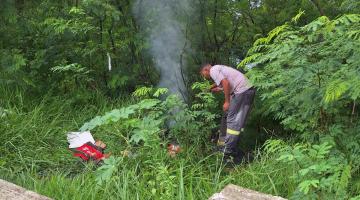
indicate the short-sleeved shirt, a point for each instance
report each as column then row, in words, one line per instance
column 238, row 81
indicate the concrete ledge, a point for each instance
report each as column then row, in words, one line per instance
column 233, row 192
column 10, row 191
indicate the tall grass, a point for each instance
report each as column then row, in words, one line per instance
column 35, row 155
column 192, row 181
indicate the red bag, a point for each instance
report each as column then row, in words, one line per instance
column 89, row 151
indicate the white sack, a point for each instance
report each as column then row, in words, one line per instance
column 77, row 139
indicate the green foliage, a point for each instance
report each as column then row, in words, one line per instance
column 142, row 91
column 298, row 16
column 148, row 91
column 34, row 134
column 109, row 167
column 12, row 63
column 322, row 173
column 308, row 77
column 205, row 106
column 146, row 120
column 335, row 90
column 308, row 69
column 85, row 32
column 350, row 6
column 73, row 33
column 186, row 177
column 223, row 31
column 121, row 114
column 74, row 67
column 55, row 65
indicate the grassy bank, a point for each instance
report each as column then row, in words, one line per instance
column 35, row 155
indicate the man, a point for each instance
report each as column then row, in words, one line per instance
column 239, row 95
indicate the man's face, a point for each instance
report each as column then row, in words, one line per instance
column 205, row 72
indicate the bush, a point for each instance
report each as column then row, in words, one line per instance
column 309, row 78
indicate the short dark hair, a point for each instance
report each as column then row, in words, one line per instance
column 204, row 65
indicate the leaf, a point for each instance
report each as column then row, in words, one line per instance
column 105, row 172
column 145, row 130
column 317, row 24
column 249, row 59
column 109, row 117
column 142, row 91
column 354, row 34
column 76, row 10
column 297, row 16
column 260, row 41
column 322, row 149
column 286, row 157
column 344, row 178
column 335, row 90
column 74, row 67
column 274, row 146
column 148, row 103
column 160, row 91
column 303, row 172
column 139, row 135
column 305, row 186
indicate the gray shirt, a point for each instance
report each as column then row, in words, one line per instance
column 238, row 81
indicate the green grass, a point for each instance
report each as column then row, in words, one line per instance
column 35, row 156
column 182, row 180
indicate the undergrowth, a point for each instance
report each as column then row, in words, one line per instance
column 314, row 95
column 36, row 157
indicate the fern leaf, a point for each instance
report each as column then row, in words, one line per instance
column 335, row 90
column 354, row 34
column 298, row 16
column 305, row 186
column 344, row 178
column 160, row 91
column 261, row 41
column 249, row 59
column 317, row 24
column 276, row 31
column 142, row 91
column 347, row 19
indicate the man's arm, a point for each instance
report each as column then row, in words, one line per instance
column 227, row 88
column 213, row 86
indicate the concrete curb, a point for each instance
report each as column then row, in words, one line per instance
column 10, row 191
column 233, row 192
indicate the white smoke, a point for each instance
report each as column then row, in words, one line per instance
column 166, row 37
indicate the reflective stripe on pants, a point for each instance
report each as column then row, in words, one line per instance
column 233, row 122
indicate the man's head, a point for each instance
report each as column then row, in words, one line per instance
column 205, row 70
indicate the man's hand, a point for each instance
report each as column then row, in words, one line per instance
column 226, row 86
column 216, row 89
column 226, row 106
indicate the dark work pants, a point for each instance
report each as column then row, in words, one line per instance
column 233, row 121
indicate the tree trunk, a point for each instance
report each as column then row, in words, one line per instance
column 318, row 7
column 19, row 5
column 214, row 31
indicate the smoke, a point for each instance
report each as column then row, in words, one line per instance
column 160, row 19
